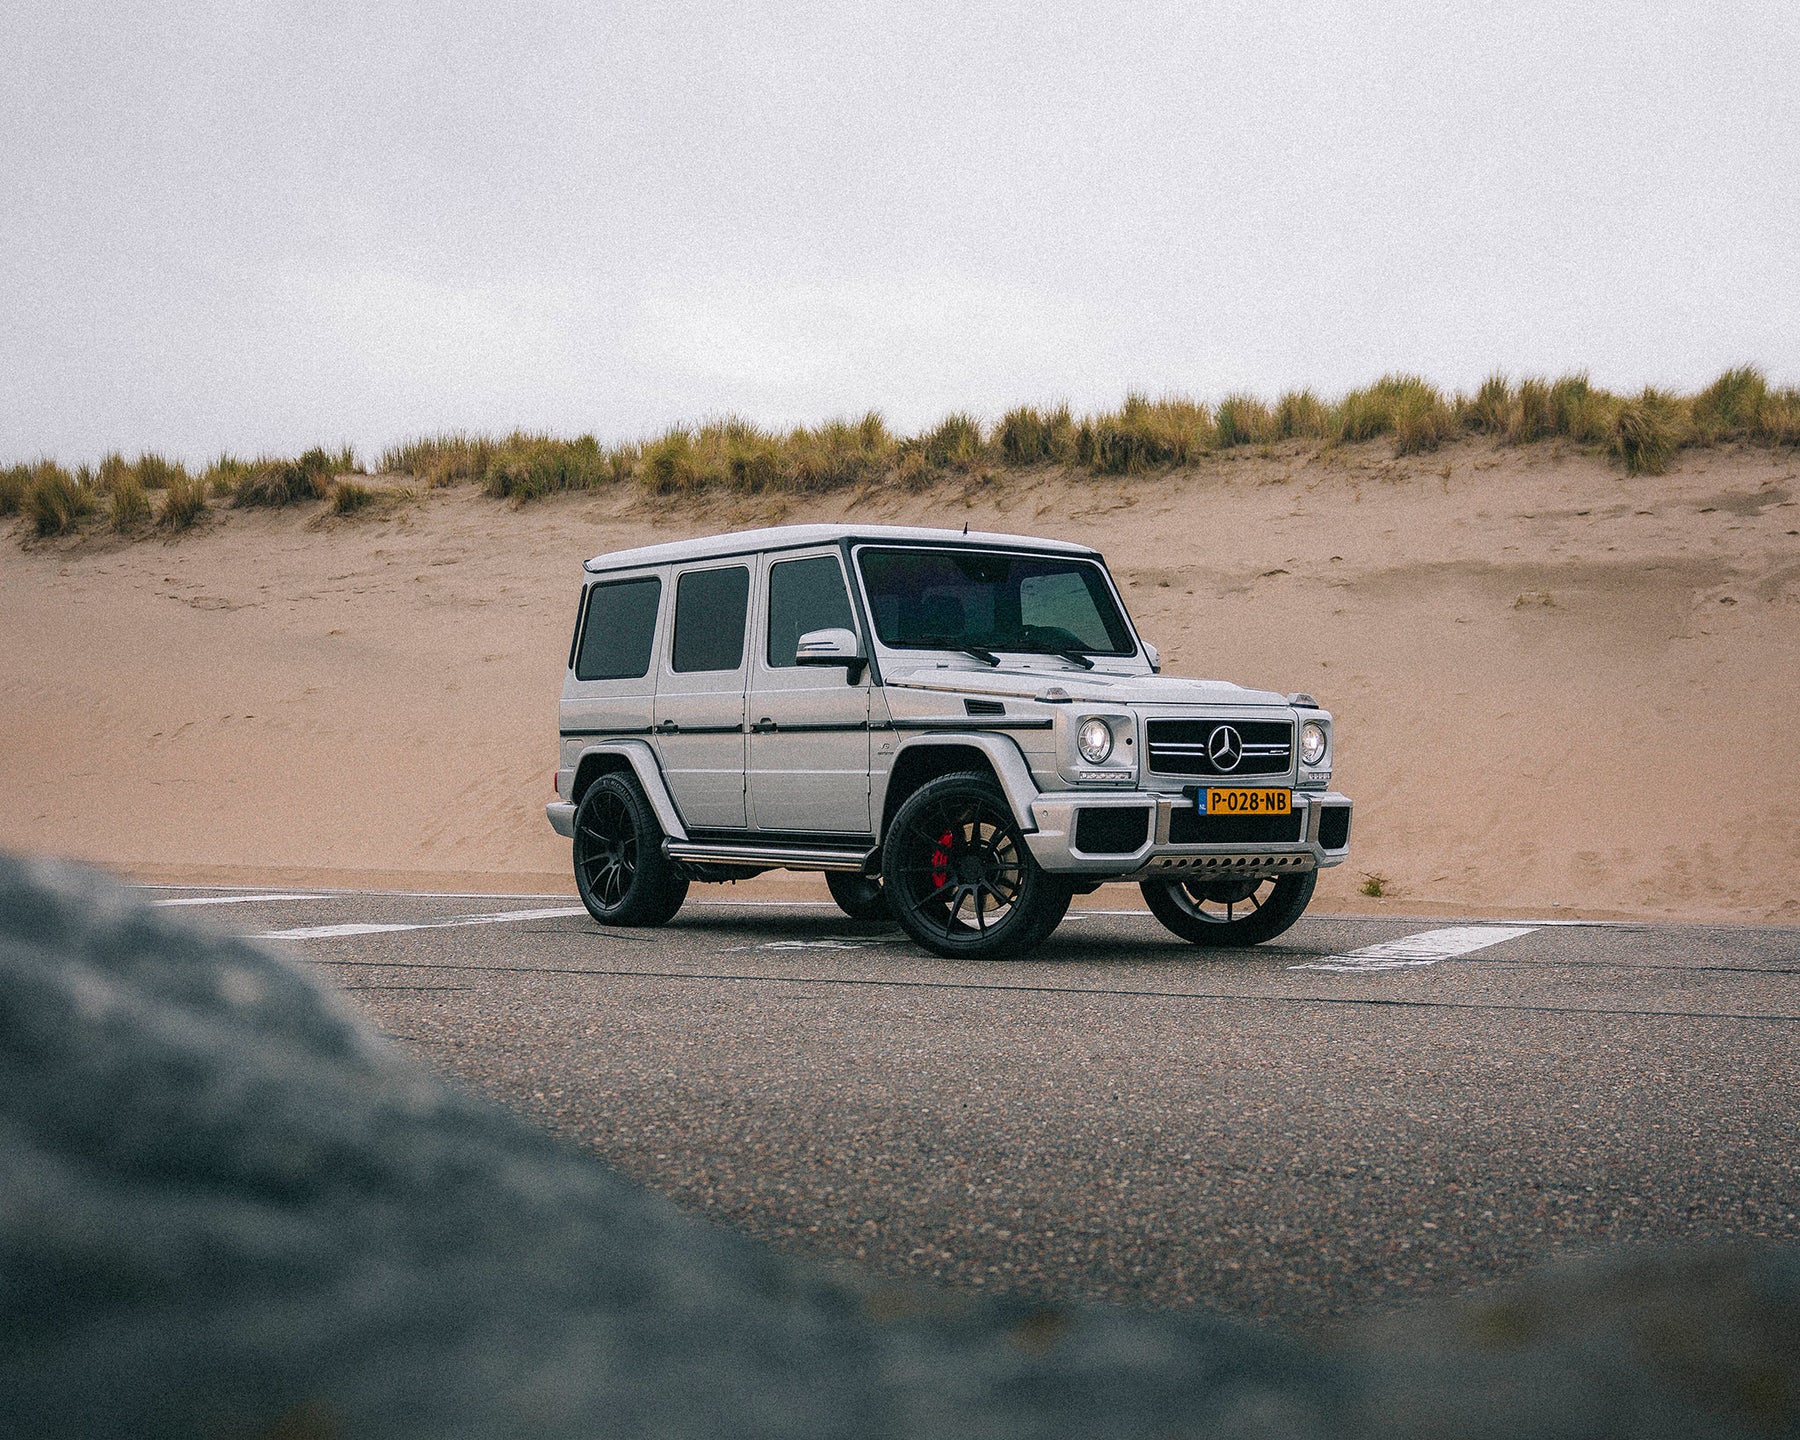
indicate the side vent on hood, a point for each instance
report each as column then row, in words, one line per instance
column 983, row 707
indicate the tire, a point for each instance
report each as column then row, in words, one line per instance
column 1235, row 910
column 620, row 871
column 953, row 856
column 858, row 896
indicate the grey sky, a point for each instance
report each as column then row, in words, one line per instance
column 256, row 226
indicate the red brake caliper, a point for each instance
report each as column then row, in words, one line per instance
column 940, row 862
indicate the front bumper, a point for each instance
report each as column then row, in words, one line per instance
column 1054, row 845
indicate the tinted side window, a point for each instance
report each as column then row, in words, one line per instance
column 710, row 610
column 620, row 630
column 804, row 595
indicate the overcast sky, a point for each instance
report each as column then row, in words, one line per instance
column 253, row 226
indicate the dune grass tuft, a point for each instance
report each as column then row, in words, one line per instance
column 1732, row 406
column 15, row 480
column 130, row 503
column 1580, row 411
column 956, row 443
column 348, row 496
column 184, row 502
column 1533, row 413
column 1779, row 423
column 155, row 473
column 286, row 482
column 1301, row 415
column 57, row 502
column 1410, row 409
column 1245, row 420
column 1647, row 430
column 1146, row 434
column 1490, row 412
column 1028, row 436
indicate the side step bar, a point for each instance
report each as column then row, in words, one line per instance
column 774, row 856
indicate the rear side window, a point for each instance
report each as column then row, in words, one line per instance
column 711, row 607
column 804, row 595
column 619, row 631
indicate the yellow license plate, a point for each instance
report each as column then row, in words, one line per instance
column 1240, row 800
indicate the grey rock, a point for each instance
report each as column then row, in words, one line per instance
column 1632, row 1344
column 227, row 1208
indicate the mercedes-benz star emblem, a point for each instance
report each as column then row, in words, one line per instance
column 1224, row 747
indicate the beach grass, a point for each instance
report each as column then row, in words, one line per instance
column 733, row 455
column 184, row 502
column 57, row 502
column 277, row 482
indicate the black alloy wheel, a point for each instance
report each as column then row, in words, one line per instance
column 620, row 871
column 959, row 878
column 1232, row 909
column 858, row 896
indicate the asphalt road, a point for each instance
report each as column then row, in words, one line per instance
column 1321, row 1126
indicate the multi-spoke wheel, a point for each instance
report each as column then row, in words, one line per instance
column 958, row 876
column 620, row 870
column 858, row 896
column 1232, row 910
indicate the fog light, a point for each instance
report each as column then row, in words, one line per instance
column 1094, row 741
column 1312, row 743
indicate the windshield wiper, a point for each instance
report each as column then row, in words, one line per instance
column 1075, row 657
column 944, row 642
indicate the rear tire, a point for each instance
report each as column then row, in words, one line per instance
column 959, row 878
column 1230, row 910
column 858, row 896
column 621, row 873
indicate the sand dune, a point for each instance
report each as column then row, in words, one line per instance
column 1556, row 686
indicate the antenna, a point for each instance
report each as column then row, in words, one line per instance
column 965, row 527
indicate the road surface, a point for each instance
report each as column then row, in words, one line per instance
column 1366, row 1111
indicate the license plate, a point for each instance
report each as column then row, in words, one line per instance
column 1240, row 800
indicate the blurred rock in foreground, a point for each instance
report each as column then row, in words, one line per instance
column 228, row 1209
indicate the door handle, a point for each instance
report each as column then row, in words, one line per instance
column 667, row 727
column 765, row 726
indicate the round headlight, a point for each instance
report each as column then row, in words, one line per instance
column 1312, row 742
column 1094, row 741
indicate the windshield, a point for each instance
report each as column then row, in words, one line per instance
column 968, row 599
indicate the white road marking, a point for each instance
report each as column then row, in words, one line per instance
column 814, row 944
column 328, row 932
column 1426, row 948
column 234, row 899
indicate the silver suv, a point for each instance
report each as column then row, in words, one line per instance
column 961, row 731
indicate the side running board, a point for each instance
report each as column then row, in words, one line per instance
column 776, row 856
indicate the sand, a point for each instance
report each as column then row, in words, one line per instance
column 1559, row 690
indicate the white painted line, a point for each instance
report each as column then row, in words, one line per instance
column 832, row 944
column 328, row 932
column 1426, row 948
column 771, row 904
column 234, row 899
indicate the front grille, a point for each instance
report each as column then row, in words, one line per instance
column 1189, row 827
column 1111, row 830
column 1334, row 827
column 1186, row 747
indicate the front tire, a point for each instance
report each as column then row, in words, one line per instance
column 620, row 871
column 959, row 878
column 858, row 896
column 1235, row 910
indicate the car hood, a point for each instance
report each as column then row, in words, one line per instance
column 1082, row 686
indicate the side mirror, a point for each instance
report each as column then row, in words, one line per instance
column 832, row 647
column 1154, row 656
